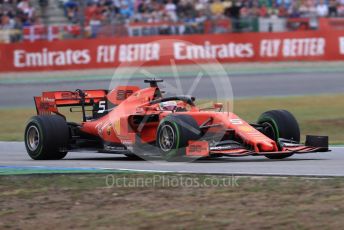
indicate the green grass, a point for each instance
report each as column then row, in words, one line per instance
column 318, row 115
column 87, row 202
column 13, row 121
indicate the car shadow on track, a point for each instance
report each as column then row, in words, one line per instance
column 124, row 158
column 204, row 160
column 237, row 160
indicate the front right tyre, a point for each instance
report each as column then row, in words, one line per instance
column 279, row 124
column 46, row 137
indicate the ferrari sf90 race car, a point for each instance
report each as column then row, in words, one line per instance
column 136, row 122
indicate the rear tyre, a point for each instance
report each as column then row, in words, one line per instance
column 279, row 124
column 46, row 137
column 174, row 133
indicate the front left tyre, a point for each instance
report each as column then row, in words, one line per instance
column 174, row 133
column 46, row 137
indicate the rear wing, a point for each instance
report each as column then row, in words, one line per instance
column 49, row 102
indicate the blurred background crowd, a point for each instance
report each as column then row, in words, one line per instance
column 150, row 17
column 198, row 10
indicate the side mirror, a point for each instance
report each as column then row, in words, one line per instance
column 218, row 106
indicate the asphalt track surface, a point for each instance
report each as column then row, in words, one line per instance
column 243, row 85
column 313, row 164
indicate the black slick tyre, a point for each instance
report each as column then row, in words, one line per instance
column 46, row 137
column 174, row 133
column 279, row 124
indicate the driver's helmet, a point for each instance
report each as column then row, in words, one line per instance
column 168, row 105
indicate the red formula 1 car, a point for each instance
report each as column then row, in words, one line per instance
column 130, row 120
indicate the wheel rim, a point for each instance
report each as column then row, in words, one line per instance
column 32, row 138
column 269, row 130
column 166, row 138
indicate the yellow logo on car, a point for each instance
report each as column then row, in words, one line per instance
column 246, row 128
column 108, row 130
column 117, row 126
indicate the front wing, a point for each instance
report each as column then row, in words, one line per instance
column 202, row 149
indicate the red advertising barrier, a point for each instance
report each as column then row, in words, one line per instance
column 159, row 50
